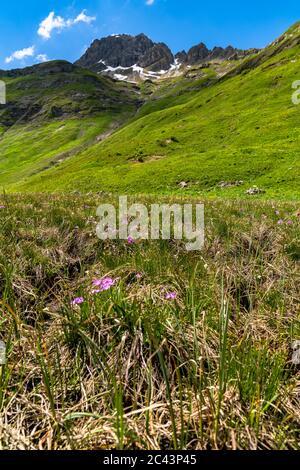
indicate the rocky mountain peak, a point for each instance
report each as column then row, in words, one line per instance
column 197, row 53
column 125, row 51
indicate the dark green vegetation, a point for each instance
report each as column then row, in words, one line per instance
column 130, row 369
column 229, row 122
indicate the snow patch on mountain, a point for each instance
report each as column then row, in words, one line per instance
column 139, row 72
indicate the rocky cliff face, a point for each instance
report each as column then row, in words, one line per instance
column 197, row 54
column 126, row 51
column 159, row 57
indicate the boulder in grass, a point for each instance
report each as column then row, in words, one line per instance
column 254, row 191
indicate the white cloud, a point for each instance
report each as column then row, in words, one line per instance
column 42, row 58
column 53, row 22
column 19, row 55
column 149, row 2
column 50, row 23
column 83, row 18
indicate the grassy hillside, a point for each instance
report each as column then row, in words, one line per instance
column 46, row 145
column 54, row 111
column 129, row 367
column 204, row 130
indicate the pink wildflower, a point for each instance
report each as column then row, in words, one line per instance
column 77, row 301
column 103, row 284
column 171, row 296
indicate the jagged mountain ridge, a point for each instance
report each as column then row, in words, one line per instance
column 124, row 56
column 125, row 51
column 200, row 53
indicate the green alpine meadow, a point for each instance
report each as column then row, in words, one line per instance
column 136, row 343
column 236, row 118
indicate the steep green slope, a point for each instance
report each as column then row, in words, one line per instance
column 54, row 111
column 241, row 128
column 27, row 150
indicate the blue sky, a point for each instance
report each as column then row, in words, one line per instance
column 36, row 30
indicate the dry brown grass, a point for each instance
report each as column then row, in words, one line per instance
column 127, row 369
